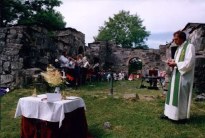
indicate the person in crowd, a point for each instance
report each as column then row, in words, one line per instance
column 84, row 69
column 96, row 69
column 121, row 75
column 76, row 70
column 85, row 62
column 103, row 75
column 79, row 60
column 115, row 75
column 71, row 71
column 79, row 63
column 178, row 98
column 64, row 61
column 153, row 74
column 162, row 74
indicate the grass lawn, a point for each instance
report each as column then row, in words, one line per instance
column 128, row 119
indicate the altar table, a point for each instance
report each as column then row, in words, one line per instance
column 60, row 119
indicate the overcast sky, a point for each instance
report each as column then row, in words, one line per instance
column 160, row 17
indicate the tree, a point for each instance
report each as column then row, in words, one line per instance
column 27, row 12
column 125, row 29
column 42, row 12
column 10, row 10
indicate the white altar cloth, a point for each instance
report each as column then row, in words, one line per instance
column 39, row 108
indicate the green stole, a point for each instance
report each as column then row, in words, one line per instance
column 177, row 78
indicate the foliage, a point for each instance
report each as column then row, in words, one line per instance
column 42, row 13
column 27, row 12
column 10, row 10
column 128, row 119
column 125, row 29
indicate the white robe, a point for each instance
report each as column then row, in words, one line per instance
column 64, row 61
column 178, row 100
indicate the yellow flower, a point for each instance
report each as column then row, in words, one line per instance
column 52, row 76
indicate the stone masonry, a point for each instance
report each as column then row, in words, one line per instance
column 23, row 48
column 117, row 58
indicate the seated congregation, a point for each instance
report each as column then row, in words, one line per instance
column 79, row 71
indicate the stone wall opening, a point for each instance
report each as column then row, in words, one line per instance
column 80, row 50
column 135, row 66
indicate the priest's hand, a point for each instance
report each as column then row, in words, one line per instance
column 171, row 63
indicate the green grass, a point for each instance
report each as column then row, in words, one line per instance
column 129, row 119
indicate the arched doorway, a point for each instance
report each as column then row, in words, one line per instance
column 80, row 50
column 134, row 66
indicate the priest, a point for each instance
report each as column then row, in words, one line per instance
column 178, row 98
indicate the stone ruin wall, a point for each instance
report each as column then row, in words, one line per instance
column 70, row 40
column 27, row 50
column 196, row 35
column 118, row 57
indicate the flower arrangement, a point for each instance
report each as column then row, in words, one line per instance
column 52, row 76
column 54, row 79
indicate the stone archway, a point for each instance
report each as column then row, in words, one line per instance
column 134, row 65
column 80, row 50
